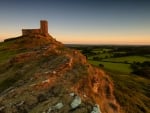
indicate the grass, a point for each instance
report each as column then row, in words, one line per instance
column 148, row 56
column 4, row 45
column 97, row 51
column 101, row 55
column 9, row 81
column 132, row 93
column 11, row 74
column 5, row 55
column 121, row 52
column 118, row 67
column 7, row 51
column 101, row 51
column 129, row 59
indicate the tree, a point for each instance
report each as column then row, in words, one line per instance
column 101, row 65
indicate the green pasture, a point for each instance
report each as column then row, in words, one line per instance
column 121, row 52
column 97, row 50
column 101, row 50
column 117, row 67
column 129, row 59
column 101, row 55
column 106, row 49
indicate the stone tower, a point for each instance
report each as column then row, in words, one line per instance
column 44, row 27
column 42, row 31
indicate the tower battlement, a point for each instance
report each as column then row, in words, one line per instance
column 43, row 30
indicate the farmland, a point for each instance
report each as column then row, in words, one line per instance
column 118, row 67
column 129, row 59
column 116, row 58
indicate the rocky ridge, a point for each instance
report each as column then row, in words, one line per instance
column 47, row 77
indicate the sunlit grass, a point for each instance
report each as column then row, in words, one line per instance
column 132, row 92
column 118, row 67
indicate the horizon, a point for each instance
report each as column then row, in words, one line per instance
column 109, row 22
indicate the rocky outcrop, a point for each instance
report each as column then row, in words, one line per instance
column 44, row 75
column 96, row 109
column 98, row 87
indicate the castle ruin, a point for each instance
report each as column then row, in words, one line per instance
column 42, row 31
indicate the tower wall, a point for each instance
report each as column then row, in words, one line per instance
column 44, row 26
column 31, row 31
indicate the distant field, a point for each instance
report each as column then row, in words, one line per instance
column 97, row 50
column 118, row 64
column 119, row 67
column 101, row 55
column 147, row 55
column 129, row 59
column 102, row 49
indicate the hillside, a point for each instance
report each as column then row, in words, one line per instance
column 128, row 67
column 40, row 75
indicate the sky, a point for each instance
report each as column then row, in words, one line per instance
column 80, row 21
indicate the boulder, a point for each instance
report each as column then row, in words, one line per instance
column 58, row 106
column 76, row 102
column 49, row 110
column 96, row 109
column 2, row 108
column 71, row 94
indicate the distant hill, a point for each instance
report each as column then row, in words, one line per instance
column 40, row 75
